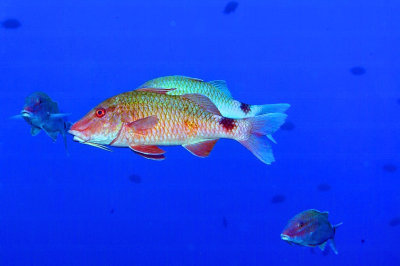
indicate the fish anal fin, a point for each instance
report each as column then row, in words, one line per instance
column 221, row 85
column 155, row 90
column 333, row 246
column 147, row 149
column 322, row 246
column 201, row 149
column 158, row 157
column 143, row 124
column 203, row 101
column 35, row 130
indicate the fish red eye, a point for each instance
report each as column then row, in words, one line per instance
column 100, row 112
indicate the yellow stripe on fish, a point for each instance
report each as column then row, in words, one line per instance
column 147, row 117
column 218, row 93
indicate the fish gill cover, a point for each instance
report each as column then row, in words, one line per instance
column 334, row 62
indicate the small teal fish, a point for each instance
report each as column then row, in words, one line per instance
column 311, row 228
column 42, row 113
column 217, row 91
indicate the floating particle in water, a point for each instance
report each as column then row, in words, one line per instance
column 289, row 126
column 324, row 187
column 11, row 23
column 135, row 179
column 231, row 7
column 278, row 199
column 357, row 71
column 395, row 221
column 224, row 222
column 112, row 211
column 362, row 241
column 389, row 167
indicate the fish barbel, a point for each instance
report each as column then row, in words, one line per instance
column 218, row 93
column 145, row 118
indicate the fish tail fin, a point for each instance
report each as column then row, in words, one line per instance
column 336, row 226
column 270, row 108
column 261, row 131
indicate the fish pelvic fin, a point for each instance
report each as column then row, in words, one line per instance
column 258, row 141
column 35, row 130
column 323, row 246
column 333, row 245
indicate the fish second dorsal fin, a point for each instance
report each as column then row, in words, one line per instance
column 221, row 85
column 203, row 101
column 155, row 90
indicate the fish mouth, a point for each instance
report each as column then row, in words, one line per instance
column 25, row 113
column 285, row 237
column 78, row 136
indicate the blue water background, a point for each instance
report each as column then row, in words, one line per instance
column 83, row 209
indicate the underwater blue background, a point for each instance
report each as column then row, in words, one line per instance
column 100, row 208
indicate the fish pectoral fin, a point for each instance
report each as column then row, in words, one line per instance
column 203, row 101
column 323, row 246
column 147, row 149
column 16, row 117
column 35, row 130
column 333, row 246
column 59, row 115
column 156, row 90
column 143, row 124
column 221, row 85
column 201, row 149
column 156, row 157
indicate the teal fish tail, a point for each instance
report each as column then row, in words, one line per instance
column 271, row 108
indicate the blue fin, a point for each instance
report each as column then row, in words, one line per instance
column 35, row 130
column 333, row 246
column 323, row 246
column 59, row 115
column 274, row 108
column 221, row 85
column 262, row 128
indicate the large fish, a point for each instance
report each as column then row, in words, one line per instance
column 219, row 94
column 43, row 114
column 311, row 228
column 145, row 118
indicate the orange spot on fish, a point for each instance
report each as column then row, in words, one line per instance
column 191, row 127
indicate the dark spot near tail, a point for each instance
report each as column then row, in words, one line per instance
column 246, row 108
column 135, row 179
column 11, row 23
column 278, row 199
column 395, row 221
column 287, row 126
column 228, row 123
column 224, row 222
column 357, row 71
column 389, row 167
column 324, row 187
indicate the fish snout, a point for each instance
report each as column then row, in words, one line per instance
column 285, row 237
column 26, row 113
column 78, row 130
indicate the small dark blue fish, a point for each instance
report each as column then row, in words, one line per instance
column 112, row 211
column 135, row 179
column 278, row 199
column 289, row 126
column 362, row 241
column 357, row 71
column 224, row 222
column 43, row 114
column 324, row 187
column 389, row 167
column 310, row 228
column 11, row 23
column 231, row 7
column 395, row 221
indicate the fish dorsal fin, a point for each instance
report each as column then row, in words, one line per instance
column 35, row 130
column 221, row 85
column 323, row 246
column 333, row 246
column 203, row 101
column 159, row 157
column 155, row 90
column 143, row 124
column 147, row 149
column 201, row 149
column 185, row 77
column 325, row 213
